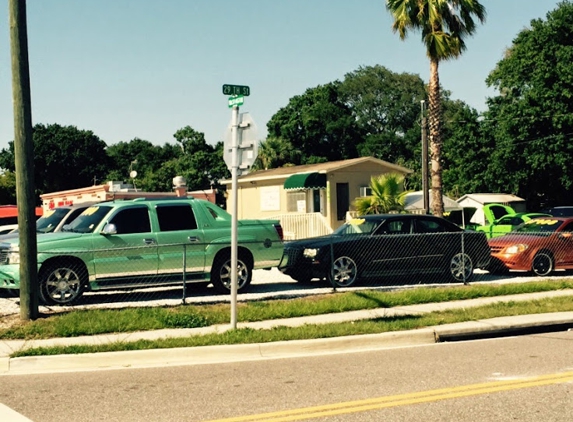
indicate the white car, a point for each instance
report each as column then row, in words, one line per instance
column 8, row 228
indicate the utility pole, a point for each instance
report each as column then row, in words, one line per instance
column 24, row 160
column 425, row 189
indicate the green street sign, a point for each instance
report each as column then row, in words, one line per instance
column 236, row 100
column 236, row 90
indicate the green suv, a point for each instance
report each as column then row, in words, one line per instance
column 140, row 243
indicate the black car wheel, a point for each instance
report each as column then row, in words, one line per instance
column 542, row 264
column 221, row 274
column 461, row 268
column 344, row 272
column 62, row 284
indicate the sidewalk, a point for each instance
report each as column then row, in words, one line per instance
column 227, row 353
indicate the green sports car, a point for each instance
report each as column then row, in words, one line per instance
column 508, row 223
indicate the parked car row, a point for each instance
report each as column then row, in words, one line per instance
column 139, row 243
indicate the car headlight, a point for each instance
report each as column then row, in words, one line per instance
column 516, row 249
column 310, row 253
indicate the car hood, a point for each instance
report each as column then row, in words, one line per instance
column 44, row 238
column 514, row 238
column 313, row 242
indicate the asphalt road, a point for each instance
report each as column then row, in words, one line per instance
column 528, row 378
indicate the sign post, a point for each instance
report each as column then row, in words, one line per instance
column 234, row 208
column 239, row 154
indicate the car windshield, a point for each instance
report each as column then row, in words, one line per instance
column 357, row 226
column 88, row 220
column 539, row 225
column 50, row 220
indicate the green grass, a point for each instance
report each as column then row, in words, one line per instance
column 378, row 325
column 106, row 321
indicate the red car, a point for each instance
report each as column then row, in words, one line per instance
column 540, row 245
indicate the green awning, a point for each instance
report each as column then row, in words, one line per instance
column 306, row 181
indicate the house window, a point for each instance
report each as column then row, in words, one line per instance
column 294, row 199
column 365, row 191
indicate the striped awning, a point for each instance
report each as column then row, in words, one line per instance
column 306, row 181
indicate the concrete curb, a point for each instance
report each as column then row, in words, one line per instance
column 213, row 354
column 285, row 349
column 513, row 325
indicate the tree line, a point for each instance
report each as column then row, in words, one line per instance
column 521, row 143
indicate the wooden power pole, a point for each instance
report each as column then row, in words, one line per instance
column 425, row 187
column 24, row 160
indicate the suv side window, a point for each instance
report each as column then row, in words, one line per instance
column 176, row 217
column 132, row 220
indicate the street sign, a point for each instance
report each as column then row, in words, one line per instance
column 236, row 90
column 236, row 100
column 247, row 143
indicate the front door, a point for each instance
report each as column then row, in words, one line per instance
column 131, row 253
column 342, row 201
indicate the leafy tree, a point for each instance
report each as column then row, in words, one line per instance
column 7, row 188
column 201, row 164
column 467, row 150
column 274, row 153
column 139, row 155
column 318, row 124
column 65, row 158
column 444, row 24
column 386, row 106
column 191, row 141
column 531, row 119
column 387, row 195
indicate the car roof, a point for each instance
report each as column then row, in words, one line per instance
column 561, row 211
column 401, row 216
column 147, row 201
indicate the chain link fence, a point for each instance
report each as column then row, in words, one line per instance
column 127, row 276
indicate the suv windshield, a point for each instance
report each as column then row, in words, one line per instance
column 88, row 220
column 50, row 220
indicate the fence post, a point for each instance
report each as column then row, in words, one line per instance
column 184, row 273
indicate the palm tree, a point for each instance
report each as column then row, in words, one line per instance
column 387, row 195
column 444, row 25
column 275, row 152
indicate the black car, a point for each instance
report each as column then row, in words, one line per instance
column 564, row 211
column 381, row 245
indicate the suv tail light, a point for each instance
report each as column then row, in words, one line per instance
column 279, row 230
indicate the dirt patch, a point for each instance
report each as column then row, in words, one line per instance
column 9, row 321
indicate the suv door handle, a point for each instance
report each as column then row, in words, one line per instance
column 149, row 241
column 193, row 239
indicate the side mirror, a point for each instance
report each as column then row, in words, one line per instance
column 109, row 229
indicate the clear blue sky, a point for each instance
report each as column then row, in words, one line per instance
column 146, row 68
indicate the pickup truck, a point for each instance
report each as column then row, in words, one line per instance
column 139, row 243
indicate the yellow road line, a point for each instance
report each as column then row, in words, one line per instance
column 404, row 399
